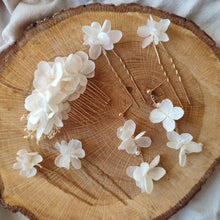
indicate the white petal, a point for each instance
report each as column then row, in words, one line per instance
column 182, row 157
column 127, row 130
column 83, row 55
column 163, row 37
column 115, row 36
column 176, row 113
column 193, row 147
column 104, row 38
column 163, row 25
column 106, row 27
column 87, row 30
column 62, row 161
column 157, row 173
column 144, row 168
column 76, row 163
column 128, row 145
column 37, row 159
column 17, row 165
column 186, row 138
column 73, row 63
column 109, row 46
column 96, row 25
column 143, row 31
column 143, row 142
column 174, row 145
column 130, row 170
column 166, row 106
column 156, row 39
column 173, row 136
column 22, row 152
column 73, row 96
column 137, row 175
column 58, row 146
column 31, row 172
column 95, row 51
column 157, row 116
column 147, row 41
column 155, row 162
column 169, row 124
column 76, row 144
column 149, row 185
column 88, row 67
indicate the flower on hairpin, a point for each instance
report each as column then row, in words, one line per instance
column 129, row 142
column 98, row 37
column 183, row 143
column 154, row 31
column 26, row 162
column 70, row 152
column 167, row 114
column 146, row 173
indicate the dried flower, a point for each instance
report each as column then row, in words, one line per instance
column 56, row 83
column 146, row 173
column 129, row 142
column 26, row 162
column 98, row 37
column 70, row 152
column 167, row 114
column 183, row 143
column 154, row 31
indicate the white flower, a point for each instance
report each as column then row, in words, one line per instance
column 26, row 162
column 154, row 32
column 146, row 173
column 184, row 143
column 70, row 152
column 129, row 142
column 97, row 37
column 167, row 114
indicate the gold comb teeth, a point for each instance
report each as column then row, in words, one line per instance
column 89, row 105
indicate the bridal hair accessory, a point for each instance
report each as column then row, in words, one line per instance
column 26, row 162
column 154, row 32
column 69, row 152
column 55, row 84
column 146, row 173
column 102, row 39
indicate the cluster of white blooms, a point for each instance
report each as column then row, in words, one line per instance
column 129, row 142
column 166, row 113
column 55, row 84
column 98, row 37
column 154, row 32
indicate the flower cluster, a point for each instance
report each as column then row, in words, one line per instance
column 146, row 173
column 183, row 143
column 26, row 162
column 98, row 37
column 69, row 152
column 55, row 84
column 129, row 142
column 154, row 31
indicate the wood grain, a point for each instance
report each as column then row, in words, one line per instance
column 101, row 189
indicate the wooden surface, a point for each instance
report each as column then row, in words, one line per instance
column 101, row 189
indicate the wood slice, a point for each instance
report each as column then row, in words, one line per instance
column 101, row 189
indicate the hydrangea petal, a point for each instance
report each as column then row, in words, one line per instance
column 193, row 147
column 157, row 116
column 173, row 136
column 176, row 113
column 149, row 185
column 169, row 124
column 144, row 168
column 143, row 31
column 37, row 159
column 127, row 130
column 76, row 163
column 186, row 138
column 155, row 162
column 89, row 67
column 108, row 46
column 104, row 38
column 157, row 173
column 95, row 51
column 173, row 145
column 73, row 63
column 147, row 41
column 83, row 55
column 130, row 170
column 138, row 174
column 87, row 30
column 96, row 25
column 163, row 37
column 163, row 25
column 62, row 161
column 31, row 172
column 115, row 36
column 17, row 165
column 166, row 106
column 182, row 157
column 106, row 27
column 143, row 142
